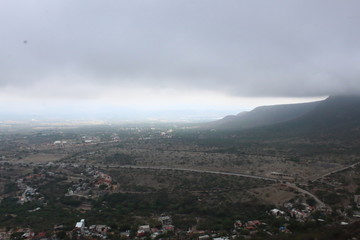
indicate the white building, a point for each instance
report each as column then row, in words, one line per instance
column 145, row 228
column 80, row 224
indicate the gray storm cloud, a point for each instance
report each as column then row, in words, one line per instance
column 241, row 48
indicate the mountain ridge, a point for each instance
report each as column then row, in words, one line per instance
column 262, row 116
column 336, row 117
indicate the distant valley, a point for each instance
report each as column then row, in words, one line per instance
column 272, row 173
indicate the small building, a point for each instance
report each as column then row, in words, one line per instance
column 276, row 212
column 238, row 224
column 145, row 228
column 125, row 234
column 283, row 176
column 300, row 215
column 204, row 237
column 81, row 224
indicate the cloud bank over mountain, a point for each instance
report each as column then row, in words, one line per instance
column 107, row 49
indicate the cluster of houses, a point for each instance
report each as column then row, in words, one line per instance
column 85, row 140
column 80, row 231
column 102, row 179
column 166, row 227
column 28, row 194
column 299, row 214
column 79, row 189
column 245, row 229
column 23, row 233
column 102, row 231
column 99, row 180
column 252, row 225
column 255, row 226
column 291, row 212
column 93, row 231
column 155, row 134
column 28, row 185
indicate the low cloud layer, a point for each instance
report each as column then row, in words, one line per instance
column 82, row 49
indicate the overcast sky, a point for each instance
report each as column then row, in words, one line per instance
column 180, row 54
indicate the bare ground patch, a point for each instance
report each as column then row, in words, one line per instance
column 274, row 194
column 41, row 158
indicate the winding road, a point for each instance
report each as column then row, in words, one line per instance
column 320, row 204
column 199, row 171
column 335, row 171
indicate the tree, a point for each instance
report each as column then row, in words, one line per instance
column 61, row 234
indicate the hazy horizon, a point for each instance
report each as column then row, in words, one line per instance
column 124, row 114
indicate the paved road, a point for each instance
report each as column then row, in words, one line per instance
column 320, row 204
column 199, row 171
column 335, row 171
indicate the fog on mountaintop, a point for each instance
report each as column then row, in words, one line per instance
column 85, row 56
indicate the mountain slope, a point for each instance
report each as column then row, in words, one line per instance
column 337, row 115
column 263, row 116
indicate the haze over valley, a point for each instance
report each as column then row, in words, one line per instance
column 176, row 119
